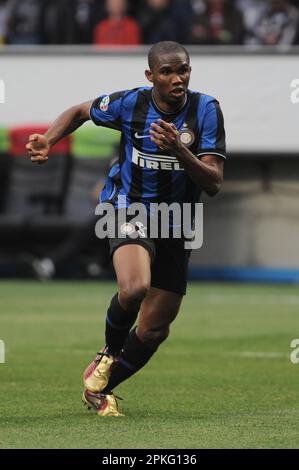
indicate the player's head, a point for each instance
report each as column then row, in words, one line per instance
column 169, row 71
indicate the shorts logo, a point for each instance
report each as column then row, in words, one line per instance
column 141, row 229
column 187, row 137
column 104, row 103
column 155, row 162
column 127, row 229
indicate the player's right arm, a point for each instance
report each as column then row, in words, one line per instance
column 39, row 145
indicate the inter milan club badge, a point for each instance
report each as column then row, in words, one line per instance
column 104, row 103
column 187, row 136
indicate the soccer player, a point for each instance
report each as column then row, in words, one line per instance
column 172, row 148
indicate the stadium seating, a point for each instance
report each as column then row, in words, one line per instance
column 30, row 190
column 41, row 204
column 91, row 150
column 79, row 204
column 36, row 188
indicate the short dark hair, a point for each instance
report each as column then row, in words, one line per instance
column 162, row 48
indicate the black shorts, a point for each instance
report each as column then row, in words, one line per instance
column 169, row 257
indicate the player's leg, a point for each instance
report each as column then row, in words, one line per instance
column 158, row 310
column 132, row 267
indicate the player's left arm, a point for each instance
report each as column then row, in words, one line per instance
column 206, row 167
column 206, row 172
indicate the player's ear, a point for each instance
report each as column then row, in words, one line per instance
column 149, row 75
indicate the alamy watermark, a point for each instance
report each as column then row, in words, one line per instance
column 2, row 91
column 2, row 352
column 295, row 93
column 295, row 354
column 155, row 220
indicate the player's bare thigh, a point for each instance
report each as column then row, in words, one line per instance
column 132, row 264
column 158, row 309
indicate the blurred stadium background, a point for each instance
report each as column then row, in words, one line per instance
column 58, row 53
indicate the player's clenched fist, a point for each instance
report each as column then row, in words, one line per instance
column 38, row 148
column 165, row 135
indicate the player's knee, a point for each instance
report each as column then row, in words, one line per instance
column 131, row 296
column 153, row 337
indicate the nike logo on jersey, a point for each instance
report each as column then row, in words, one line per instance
column 137, row 136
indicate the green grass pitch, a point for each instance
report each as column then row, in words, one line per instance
column 223, row 379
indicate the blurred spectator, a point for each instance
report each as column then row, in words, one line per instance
column 126, row 22
column 183, row 14
column 55, row 18
column 81, row 17
column 3, row 20
column 156, row 21
column 278, row 25
column 118, row 28
column 252, row 11
column 25, row 21
column 220, row 22
column 134, row 6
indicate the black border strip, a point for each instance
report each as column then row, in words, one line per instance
column 196, row 458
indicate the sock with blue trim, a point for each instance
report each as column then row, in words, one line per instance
column 133, row 357
column 118, row 324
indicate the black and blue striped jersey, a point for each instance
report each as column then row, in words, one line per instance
column 145, row 173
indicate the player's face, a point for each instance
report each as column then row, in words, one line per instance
column 170, row 76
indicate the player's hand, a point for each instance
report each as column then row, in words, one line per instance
column 38, row 148
column 165, row 135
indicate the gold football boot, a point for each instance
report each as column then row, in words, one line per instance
column 103, row 404
column 97, row 374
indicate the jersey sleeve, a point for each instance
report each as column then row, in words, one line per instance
column 212, row 141
column 106, row 110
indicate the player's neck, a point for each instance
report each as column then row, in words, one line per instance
column 165, row 107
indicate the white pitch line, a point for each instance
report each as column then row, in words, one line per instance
column 261, row 355
column 251, row 299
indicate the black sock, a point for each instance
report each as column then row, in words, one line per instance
column 118, row 324
column 133, row 357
